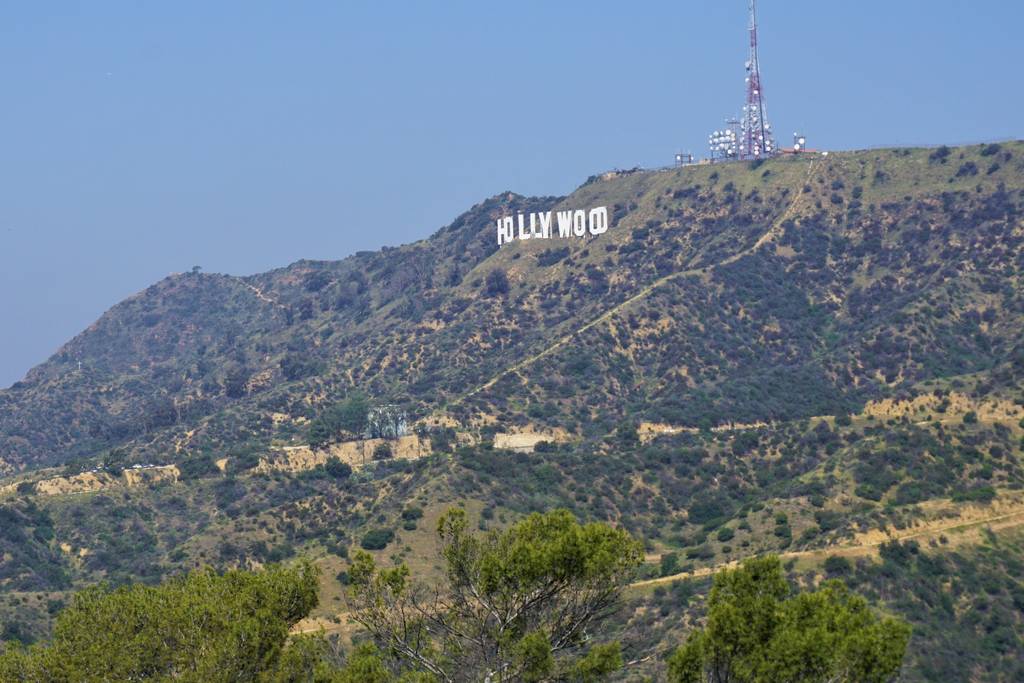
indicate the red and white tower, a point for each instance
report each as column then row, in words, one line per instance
column 756, row 140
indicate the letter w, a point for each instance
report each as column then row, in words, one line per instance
column 564, row 223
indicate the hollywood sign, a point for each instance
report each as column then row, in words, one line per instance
column 547, row 225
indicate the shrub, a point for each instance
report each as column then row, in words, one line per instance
column 377, row 539
column 940, row 155
column 701, row 552
column 337, row 469
column 496, row 283
column 441, row 440
column 412, row 513
column 969, row 168
column 669, row 564
column 235, row 381
column 198, row 466
column 315, row 281
column 837, row 566
column 296, row 366
column 550, row 257
column 242, row 461
column 980, row 494
column 382, row 451
column 705, row 508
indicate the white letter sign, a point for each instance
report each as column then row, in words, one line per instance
column 571, row 223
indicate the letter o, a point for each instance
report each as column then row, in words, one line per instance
column 599, row 220
column 579, row 223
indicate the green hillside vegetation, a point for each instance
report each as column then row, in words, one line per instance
column 517, row 605
column 815, row 357
column 883, row 269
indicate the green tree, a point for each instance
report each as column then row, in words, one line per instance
column 320, row 434
column 514, row 605
column 367, row 664
column 306, row 659
column 201, row 627
column 756, row 633
column 347, row 417
column 351, row 414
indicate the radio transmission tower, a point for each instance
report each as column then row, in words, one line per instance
column 755, row 132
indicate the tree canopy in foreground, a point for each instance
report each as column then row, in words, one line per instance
column 513, row 605
column 203, row 626
column 518, row 605
column 756, row 633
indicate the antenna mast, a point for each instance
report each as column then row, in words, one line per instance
column 756, row 133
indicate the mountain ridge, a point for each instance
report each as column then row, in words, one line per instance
column 818, row 357
column 312, row 321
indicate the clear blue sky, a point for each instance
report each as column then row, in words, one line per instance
column 141, row 138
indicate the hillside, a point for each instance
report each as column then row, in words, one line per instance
column 820, row 356
column 802, row 287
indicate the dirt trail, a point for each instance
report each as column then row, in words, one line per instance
column 770, row 235
column 324, row 624
column 1000, row 516
column 260, row 295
